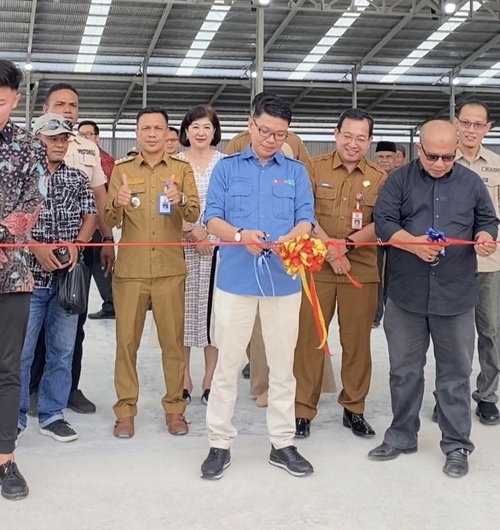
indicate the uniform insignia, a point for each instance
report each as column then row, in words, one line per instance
column 366, row 183
column 125, row 159
column 325, row 185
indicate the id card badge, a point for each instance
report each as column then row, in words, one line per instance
column 164, row 206
column 357, row 220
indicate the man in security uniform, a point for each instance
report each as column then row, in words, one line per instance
column 150, row 194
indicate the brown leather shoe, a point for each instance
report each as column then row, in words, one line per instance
column 124, row 427
column 176, row 424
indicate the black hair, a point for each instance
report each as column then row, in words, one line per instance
column 60, row 86
column 274, row 106
column 259, row 97
column 196, row 113
column 91, row 123
column 10, row 75
column 401, row 148
column 175, row 130
column 476, row 102
column 356, row 114
column 152, row 110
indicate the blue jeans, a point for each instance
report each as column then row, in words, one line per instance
column 60, row 333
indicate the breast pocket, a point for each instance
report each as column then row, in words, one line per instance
column 367, row 208
column 138, row 200
column 240, row 191
column 283, row 201
column 325, row 201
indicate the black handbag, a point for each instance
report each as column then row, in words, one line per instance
column 73, row 288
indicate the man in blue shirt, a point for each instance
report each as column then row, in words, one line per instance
column 431, row 294
column 255, row 196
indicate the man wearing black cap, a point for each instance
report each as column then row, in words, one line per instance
column 385, row 158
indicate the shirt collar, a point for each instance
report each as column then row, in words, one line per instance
column 248, row 153
column 7, row 132
column 337, row 162
column 426, row 174
column 140, row 159
column 482, row 153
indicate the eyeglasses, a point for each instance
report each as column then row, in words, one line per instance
column 434, row 158
column 87, row 135
column 466, row 124
column 52, row 125
column 358, row 140
column 266, row 133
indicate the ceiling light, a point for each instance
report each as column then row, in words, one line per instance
column 254, row 74
column 456, row 81
column 450, row 8
column 28, row 67
column 264, row 2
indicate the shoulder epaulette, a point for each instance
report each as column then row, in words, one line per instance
column 125, row 159
column 179, row 159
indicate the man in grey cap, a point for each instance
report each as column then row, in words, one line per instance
column 68, row 215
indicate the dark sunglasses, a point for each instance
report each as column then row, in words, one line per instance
column 435, row 158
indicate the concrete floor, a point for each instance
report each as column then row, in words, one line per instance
column 152, row 481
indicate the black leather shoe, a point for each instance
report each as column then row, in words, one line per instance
column 79, row 403
column 387, row 452
column 488, row 413
column 456, row 465
column 186, row 395
column 290, row 460
column 245, row 373
column 357, row 423
column 14, row 486
column 101, row 315
column 302, row 427
column 435, row 414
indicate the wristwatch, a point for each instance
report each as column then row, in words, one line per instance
column 237, row 236
column 183, row 200
column 350, row 244
column 108, row 239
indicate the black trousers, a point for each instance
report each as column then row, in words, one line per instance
column 14, row 314
column 103, row 282
column 39, row 358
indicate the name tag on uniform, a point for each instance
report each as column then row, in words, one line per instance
column 357, row 220
column 164, row 206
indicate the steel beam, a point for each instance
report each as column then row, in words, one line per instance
column 379, row 100
column 294, row 9
column 476, row 55
column 300, row 97
column 259, row 51
column 389, row 36
column 157, row 34
column 218, row 92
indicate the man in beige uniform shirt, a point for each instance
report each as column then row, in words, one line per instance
column 473, row 123
column 62, row 98
column 150, row 194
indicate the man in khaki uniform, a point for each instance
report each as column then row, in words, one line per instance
column 345, row 186
column 150, row 194
column 473, row 124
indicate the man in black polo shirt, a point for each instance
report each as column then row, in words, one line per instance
column 432, row 295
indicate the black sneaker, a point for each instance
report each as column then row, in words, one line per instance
column 14, row 486
column 79, row 403
column 215, row 463
column 488, row 413
column 245, row 373
column 205, row 396
column 291, row 460
column 60, row 430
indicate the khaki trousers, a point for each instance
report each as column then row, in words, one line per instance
column 356, row 308
column 234, row 322
column 259, row 372
column 131, row 298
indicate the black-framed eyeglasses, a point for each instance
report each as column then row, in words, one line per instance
column 266, row 133
column 434, row 158
column 54, row 124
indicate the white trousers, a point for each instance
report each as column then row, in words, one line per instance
column 234, row 322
